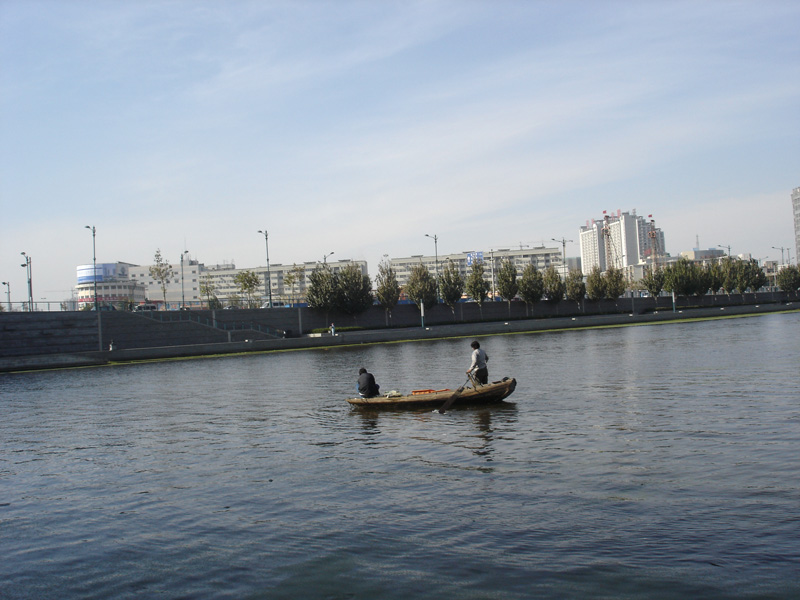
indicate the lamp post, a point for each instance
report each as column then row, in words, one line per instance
column 268, row 282
column 728, row 247
column 435, row 239
column 563, row 242
column 8, row 294
column 27, row 265
column 94, row 276
column 183, row 295
column 325, row 258
column 94, row 264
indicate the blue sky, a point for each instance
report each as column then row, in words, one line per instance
column 357, row 127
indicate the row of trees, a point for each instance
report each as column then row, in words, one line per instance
column 685, row 278
column 349, row 290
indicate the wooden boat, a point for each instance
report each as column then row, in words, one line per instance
column 480, row 394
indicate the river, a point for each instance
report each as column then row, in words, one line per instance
column 654, row 461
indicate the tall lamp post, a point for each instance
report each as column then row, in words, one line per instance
column 8, row 294
column 94, row 263
column 268, row 282
column 325, row 258
column 435, row 239
column 183, row 295
column 728, row 247
column 94, row 276
column 27, row 265
column 563, row 242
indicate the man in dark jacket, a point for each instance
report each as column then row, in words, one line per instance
column 367, row 387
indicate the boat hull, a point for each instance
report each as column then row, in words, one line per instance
column 483, row 394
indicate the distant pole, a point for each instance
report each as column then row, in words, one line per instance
column 491, row 253
column 8, row 294
column 563, row 242
column 781, row 249
column 183, row 295
column 28, row 269
column 728, row 247
column 325, row 258
column 94, row 264
column 435, row 239
column 94, row 277
column 268, row 281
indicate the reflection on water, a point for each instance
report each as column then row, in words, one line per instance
column 654, row 461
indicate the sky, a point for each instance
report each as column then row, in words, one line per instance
column 357, row 127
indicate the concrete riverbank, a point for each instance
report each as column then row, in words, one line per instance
column 375, row 336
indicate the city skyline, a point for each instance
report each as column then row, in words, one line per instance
column 358, row 129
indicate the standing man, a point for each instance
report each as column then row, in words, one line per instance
column 367, row 387
column 478, row 365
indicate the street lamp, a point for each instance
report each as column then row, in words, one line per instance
column 435, row 239
column 563, row 242
column 183, row 296
column 94, row 264
column 268, row 282
column 728, row 247
column 325, row 258
column 8, row 294
column 27, row 265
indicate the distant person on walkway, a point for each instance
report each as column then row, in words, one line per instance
column 478, row 366
column 333, row 329
column 367, row 388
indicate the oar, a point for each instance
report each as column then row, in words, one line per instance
column 453, row 398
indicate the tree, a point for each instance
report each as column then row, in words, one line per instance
column 387, row 290
column 681, row 277
column 476, row 286
column 531, row 285
column 292, row 278
column 354, row 290
column 421, row 287
column 207, row 289
column 702, row 280
column 507, row 285
column 576, row 288
column 248, row 282
column 713, row 277
column 728, row 272
column 788, row 279
column 451, row 285
column 554, row 287
column 653, row 281
column 595, row 285
column 615, row 283
column 161, row 271
column 322, row 289
column 750, row 276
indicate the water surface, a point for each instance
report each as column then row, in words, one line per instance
column 637, row 462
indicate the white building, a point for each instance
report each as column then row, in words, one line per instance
column 620, row 240
column 191, row 286
column 113, row 285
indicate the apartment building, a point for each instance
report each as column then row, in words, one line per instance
column 620, row 240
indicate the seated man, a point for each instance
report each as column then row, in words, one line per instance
column 367, row 388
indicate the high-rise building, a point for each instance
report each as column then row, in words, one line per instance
column 796, row 206
column 620, row 240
